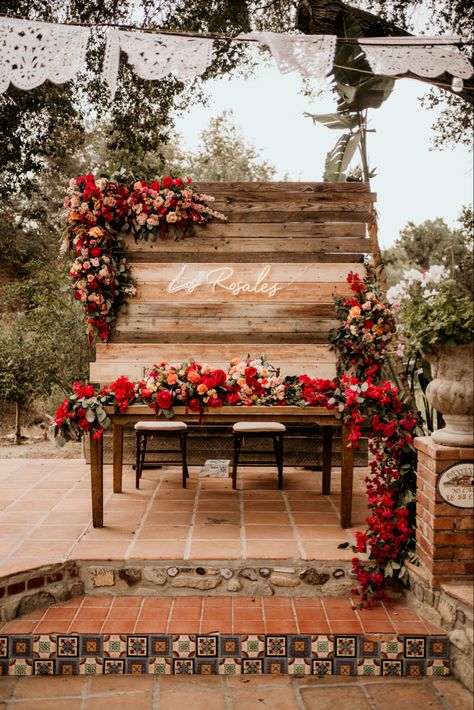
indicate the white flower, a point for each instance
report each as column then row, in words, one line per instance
column 412, row 275
column 435, row 274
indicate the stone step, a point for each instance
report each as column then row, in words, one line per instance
column 225, row 635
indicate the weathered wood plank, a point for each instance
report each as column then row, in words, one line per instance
column 285, row 187
column 128, row 325
column 113, row 352
column 221, row 336
column 289, row 293
column 149, row 309
column 330, row 230
column 249, row 257
column 245, row 199
column 326, row 215
column 281, row 272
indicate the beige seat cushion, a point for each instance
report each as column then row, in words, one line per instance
column 169, row 425
column 255, row 427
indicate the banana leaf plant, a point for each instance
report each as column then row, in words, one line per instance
column 358, row 89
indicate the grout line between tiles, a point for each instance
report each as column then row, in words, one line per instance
column 189, row 539
column 170, row 616
column 149, row 506
column 243, row 537
column 326, row 616
column 295, row 615
column 296, row 535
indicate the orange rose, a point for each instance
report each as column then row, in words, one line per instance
column 172, row 378
column 201, row 388
column 192, row 375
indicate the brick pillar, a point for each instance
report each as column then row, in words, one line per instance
column 444, row 534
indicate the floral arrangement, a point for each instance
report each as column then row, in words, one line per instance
column 367, row 405
column 368, row 328
column 431, row 309
column 99, row 211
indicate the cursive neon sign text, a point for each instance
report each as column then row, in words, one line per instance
column 222, row 278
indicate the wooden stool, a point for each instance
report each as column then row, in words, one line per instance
column 167, row 428
column 274, row 430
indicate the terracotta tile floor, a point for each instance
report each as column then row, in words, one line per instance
column 199, row 614
column 45, row 515
column 228, row 693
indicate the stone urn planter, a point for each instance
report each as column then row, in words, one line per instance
column 451, row 393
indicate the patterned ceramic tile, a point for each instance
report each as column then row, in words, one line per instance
column 21, row 647
column 253, row 646
column 345, row 646
column 229, row 666
column 392, row 647
column 160, row 646
column 44, row 646
column 184, row 646
column 275, row 666
column 67, row 666
column 3, row 646
column 369, row 666
column 137, row 646
column 183, row 666
column 415, row 647
column 114, row 666
column 206, row 646
column 299, row 646
column 322, row 646
column 321, row 667
column 67, row 646
column 299, row 666
column 252, row 665
column 437, row 668
column 136, row 666
column 206, row 666
column 345, row 666
column 392, row 666
column 159, row 665
column 91, row 666
column 414, row 668
column 43, row 666
column 114, row 646
column 367, row 648
column 275, row 646
column 438, row 647
column 91, row 646
column 20, row 667
column 230, row 646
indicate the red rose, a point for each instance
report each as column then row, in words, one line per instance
column 155, row 185
column 233, row 399
column 164, row 399
column 194, row 405
column 250, row 371
column 168, row 181
column 214, row 402
column 96, row 251
column 219, row 377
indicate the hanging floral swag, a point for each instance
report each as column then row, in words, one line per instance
column 367, row 404
column 99, row 212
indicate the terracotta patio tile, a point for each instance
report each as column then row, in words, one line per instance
column 167, row 518
column 272, row 506
column 247, row 613
column 324, row 518
column 185, row 613
column 282, row 613
column 217, row 603
column 339, row 613
column 191, row 600
column 410, row 627
column 59, row 532
column 120, row 612
column 250, row 602
column 402, row 614
column 119, row 626
column 218, row 506
column 325, row 551
column 183, row 626
column 51, row 626
column 162, row 604
column 213, row 550
column 20, row 626
column 285, row 626
column 308, row 613
column 150, row 626
column 60, row 612
column 337, row 602
column 178, row 506
column 213, row 532
column 95, row 600
column 85, row 627
column 269, row 532
column 221, row 626
column 94, row 551
column 223, row 518
column 379, row 626
column 43, row 548
column 269, row 550
column 314, row 626
column 263, row 517
column 249, row 626
column 127, row 601
column 70, row 518
column 92, row 612
column 345, row 627
column 166, row 550
column 307, row 602
column 280, row 602
column 322, row 532
column 376, row 612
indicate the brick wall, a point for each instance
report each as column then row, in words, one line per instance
column 445, row 534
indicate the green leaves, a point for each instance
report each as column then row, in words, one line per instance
column 339, row 158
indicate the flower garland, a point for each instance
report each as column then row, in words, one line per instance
column 99, row 210
column 363, row 402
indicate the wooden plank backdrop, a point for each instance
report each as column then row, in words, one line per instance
column 262, row 282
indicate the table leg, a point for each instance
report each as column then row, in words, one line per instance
column 117, row 444
column 327, row 459
column 347, row 476
column 97, row 482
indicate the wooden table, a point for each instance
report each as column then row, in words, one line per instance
column 308, row 416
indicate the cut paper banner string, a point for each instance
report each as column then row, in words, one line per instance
column 154, row 56
column 390, row 57
column 310, row 55
column 32, row 52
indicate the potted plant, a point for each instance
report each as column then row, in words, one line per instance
column 435, row 317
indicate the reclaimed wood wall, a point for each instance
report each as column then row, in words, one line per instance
column 300, row 239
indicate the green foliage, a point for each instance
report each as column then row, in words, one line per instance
column 433, row 242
